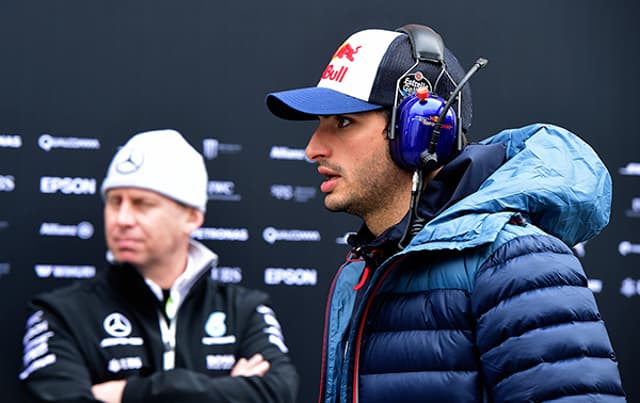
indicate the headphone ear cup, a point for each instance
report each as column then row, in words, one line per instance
column 414, row 130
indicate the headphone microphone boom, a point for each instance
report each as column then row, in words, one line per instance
column 429, row 158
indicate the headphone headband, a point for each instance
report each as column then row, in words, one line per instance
column 427, row 44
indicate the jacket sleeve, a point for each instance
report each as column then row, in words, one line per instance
column 53, row 369
column 539, row 331
column 262, row 335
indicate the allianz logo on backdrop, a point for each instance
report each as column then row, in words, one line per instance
column 286, row 153
column 222, row 190
column 300, row 194
column 272, row 235
column 67, row 185
column 64, row 271
column 10, row 141
column 7, row 183
column 47, row 142
column 632, row 168
column 83, row 230
column 212, row 148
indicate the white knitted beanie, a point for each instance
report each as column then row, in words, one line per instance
column 161, row 161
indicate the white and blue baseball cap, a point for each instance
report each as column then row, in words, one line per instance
column 362, row 74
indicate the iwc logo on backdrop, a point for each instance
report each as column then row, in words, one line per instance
column 130, row 162
column 222, row 190
column 634, row 211
column 47, row 142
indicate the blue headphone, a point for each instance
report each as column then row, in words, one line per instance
column 418, row 138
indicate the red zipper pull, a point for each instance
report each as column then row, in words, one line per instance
column 363, row 279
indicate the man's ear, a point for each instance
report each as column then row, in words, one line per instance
column 195, row 219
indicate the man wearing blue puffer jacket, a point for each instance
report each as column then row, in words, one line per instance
column 461, row 285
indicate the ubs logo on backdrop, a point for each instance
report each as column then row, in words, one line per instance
column 7, row 183
column 10, row 141
column 67, row 185
column 300, row 194
column 47, row 142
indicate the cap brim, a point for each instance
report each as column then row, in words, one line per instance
column 309, row 103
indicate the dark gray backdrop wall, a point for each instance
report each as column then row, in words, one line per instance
column 79, row 77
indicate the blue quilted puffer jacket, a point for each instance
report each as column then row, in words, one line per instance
column 487, row 303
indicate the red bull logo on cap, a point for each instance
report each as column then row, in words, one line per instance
column 345, row 52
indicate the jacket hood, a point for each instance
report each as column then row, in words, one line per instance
column 550, row 176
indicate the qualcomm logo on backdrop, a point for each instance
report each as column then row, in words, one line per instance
column 7, row 183
column 290, row 276
column 272, row 235
column 67, row 185
column 222, row 190
column 10, row 141
column 625, row 248
column 221, row 234
column 47, row 142
column 300, row 194
column 64, row 271
column 211, row 148
column 286, row 153
column 84, row 229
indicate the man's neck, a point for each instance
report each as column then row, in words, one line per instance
column 165, row 274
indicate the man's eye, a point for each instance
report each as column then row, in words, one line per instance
column 343, row 122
